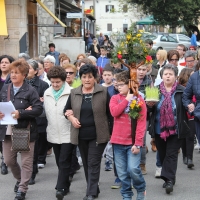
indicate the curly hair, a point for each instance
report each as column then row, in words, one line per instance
column 88, row 68
column 57, row 72
column 123, row 77
column 21, row 65
column 184, row 76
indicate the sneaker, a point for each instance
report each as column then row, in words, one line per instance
column 20, row 195
column 141, row 195
column 117, row 184
column 143, row 169
column 108, row 166
column 61, row 193
column 40, row 166
column 197, row 146
column 80, row 161
column 31, row 181
column 4, row 169
column 158, row 172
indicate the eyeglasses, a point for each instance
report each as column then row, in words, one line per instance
column 189, row 61
column 70, row 73
column 173, row 60
column 179, row 49
column 120, row 85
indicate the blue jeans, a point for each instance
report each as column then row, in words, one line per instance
column 158, row 162
column 128, row 170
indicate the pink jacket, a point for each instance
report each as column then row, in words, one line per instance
column 122, row 124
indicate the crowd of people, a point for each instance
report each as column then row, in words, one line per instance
column 78, row 110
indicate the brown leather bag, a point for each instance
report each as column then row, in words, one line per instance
column 20, row 136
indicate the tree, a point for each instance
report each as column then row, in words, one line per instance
column 170, row 12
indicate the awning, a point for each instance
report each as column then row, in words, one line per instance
column 147, row 21
column 3, row 23
column 45, row 8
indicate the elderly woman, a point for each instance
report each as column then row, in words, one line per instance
column 71, row 73
column 28, row 106
column 5, row 62
column 58, row 129
column 23, row 56
column 49, row 62
column 95, row 48
column 168, row 124
column 41, row 143
column 90, row 125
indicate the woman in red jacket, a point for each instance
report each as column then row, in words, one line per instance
column 127, row 155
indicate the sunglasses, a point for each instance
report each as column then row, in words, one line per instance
column 70, row 73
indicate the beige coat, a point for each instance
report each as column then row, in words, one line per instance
column 58, row 129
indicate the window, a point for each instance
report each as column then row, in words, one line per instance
column 109, row 27
column 184, row 38
column 171, row 39
column 109, row 8
column 125, row 8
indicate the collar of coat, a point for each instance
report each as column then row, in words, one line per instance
column 66, row 91
column 97, row 88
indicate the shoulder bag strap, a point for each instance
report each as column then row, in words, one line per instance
column 8, row 93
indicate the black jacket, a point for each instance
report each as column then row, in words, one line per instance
column 25, row 97
column 41, row 86
column 182, row 119
column 93, row 53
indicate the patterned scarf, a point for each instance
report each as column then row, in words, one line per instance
column 31, row 81
column 167, row 122
column 57, row 93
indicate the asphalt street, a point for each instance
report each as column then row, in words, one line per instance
column 186, row 188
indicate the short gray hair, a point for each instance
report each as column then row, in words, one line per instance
column 24, row 55
column 190, row 53
column 33, row 64
column 50, row 58
column 169, row 66
column 92, row 58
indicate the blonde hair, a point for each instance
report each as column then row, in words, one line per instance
column 163, row 54
column 68, row 66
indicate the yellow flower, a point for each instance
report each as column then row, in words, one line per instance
column 132, row 105
column 119, row 52
column 128, row 37
column 141, row 31
column 133, row 38
column 138, row 35
column 122, row 44
column 126, row 42
column 145, row 50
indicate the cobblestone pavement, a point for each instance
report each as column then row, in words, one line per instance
column 186, row 188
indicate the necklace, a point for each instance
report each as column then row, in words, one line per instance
column 87, row 97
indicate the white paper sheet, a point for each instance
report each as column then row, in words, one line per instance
column 7, row 108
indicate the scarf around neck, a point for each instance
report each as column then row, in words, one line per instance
column 167, row 121
column 31, row 81
column 57, row 93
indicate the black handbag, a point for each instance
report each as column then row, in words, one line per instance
column 20, row 137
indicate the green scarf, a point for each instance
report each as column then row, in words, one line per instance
column 57, row 93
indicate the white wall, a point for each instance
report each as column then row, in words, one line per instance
column 117, row 18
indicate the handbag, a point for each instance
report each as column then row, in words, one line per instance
column 20, row 137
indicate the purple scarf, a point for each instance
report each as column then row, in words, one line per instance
column 167, row 122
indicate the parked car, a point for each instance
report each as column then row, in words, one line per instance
column 168, row 41
column 182, row 39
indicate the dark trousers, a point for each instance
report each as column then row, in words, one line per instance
column 42, row 148
column 1, row 147
column 74, row 163
column 63, row 155
column 168, row 153
column 188, row 143
column 35, row 160
column 197, row 127
column 91, row 156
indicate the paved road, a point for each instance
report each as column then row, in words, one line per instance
column 186, row 188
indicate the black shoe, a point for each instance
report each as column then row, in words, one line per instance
column 190, row 163
column 4, row 168
column 31, row 181
column 90, row 197
column 169, row 187
column 16, row 186
column 185, row 160
column 61, row 193
column 20, row 195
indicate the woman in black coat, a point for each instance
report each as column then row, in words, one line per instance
column 41, row 143
column 28, row 106
column 169, row 124
column 95, row 49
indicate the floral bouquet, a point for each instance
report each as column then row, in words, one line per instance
column 134, row 107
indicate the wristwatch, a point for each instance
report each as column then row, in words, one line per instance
column 138, row 147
